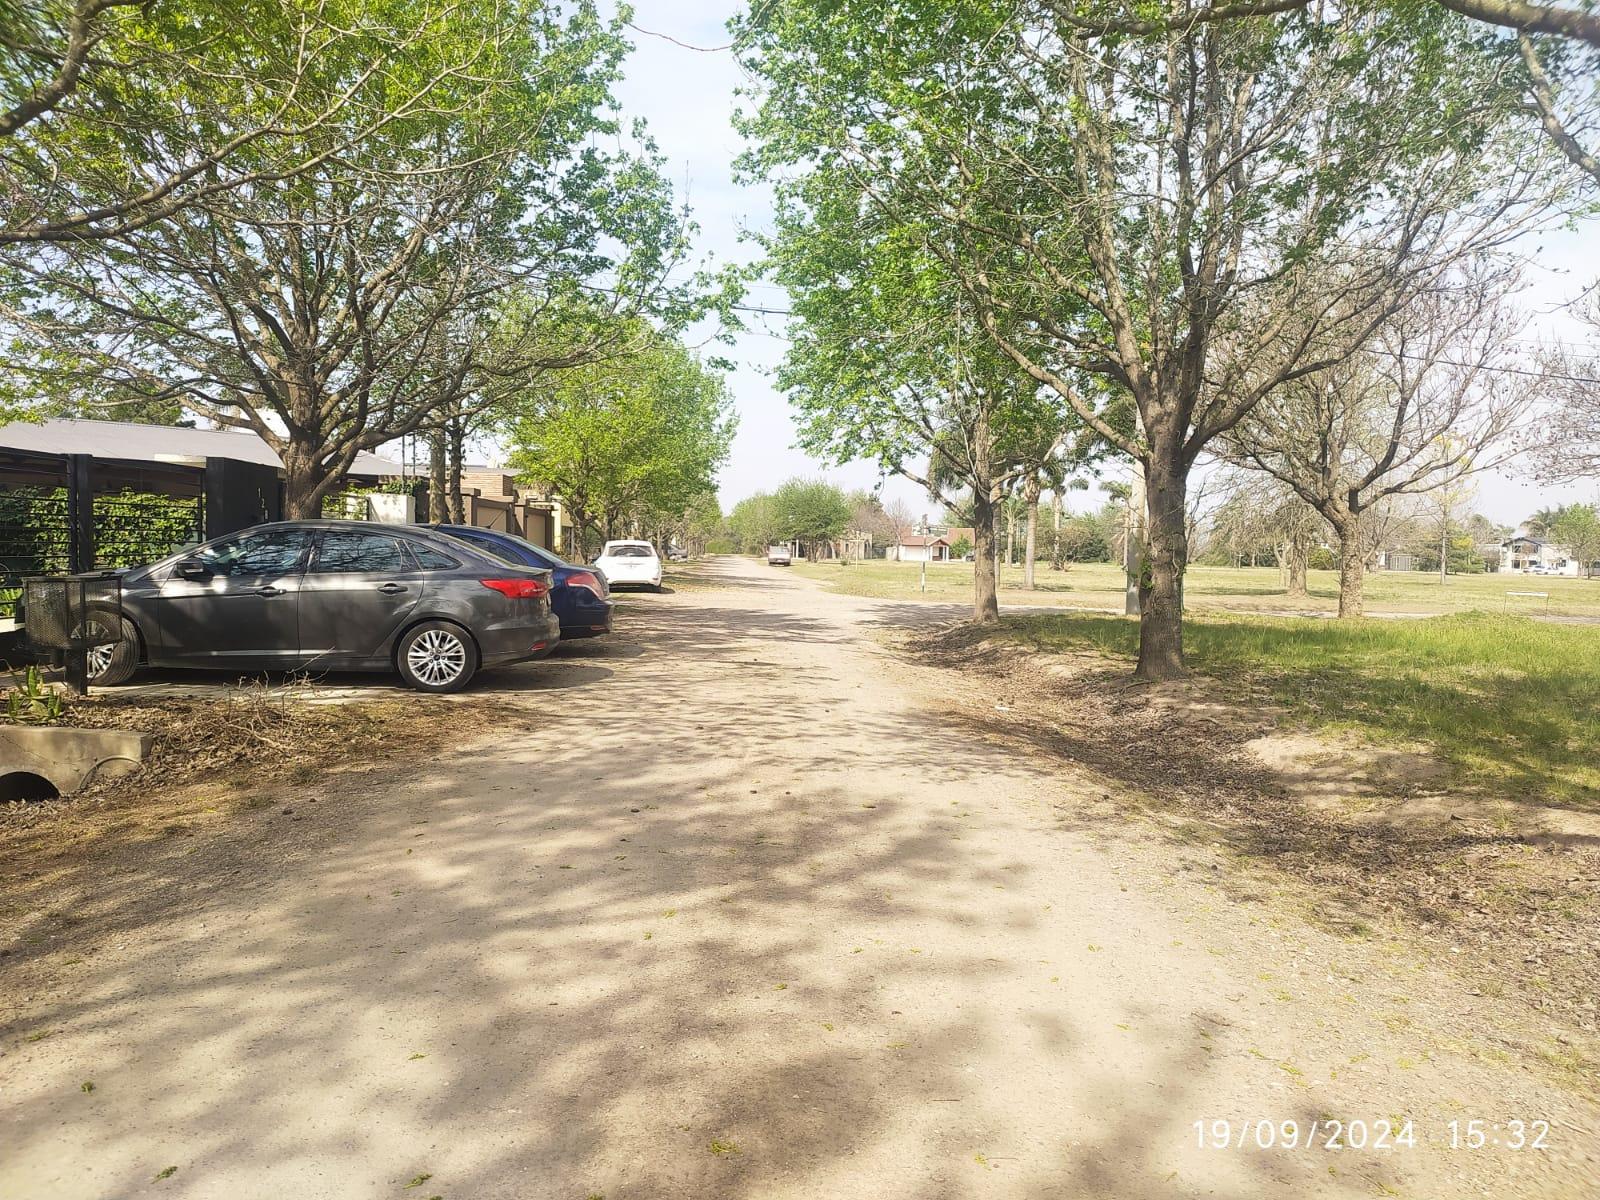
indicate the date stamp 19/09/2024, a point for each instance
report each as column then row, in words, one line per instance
column 1382, row 1134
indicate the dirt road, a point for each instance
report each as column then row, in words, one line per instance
column 747, row 916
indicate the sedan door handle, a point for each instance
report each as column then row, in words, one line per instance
column 269, row 590
column 392, row 589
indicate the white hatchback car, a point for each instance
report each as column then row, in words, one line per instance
column 635, row 563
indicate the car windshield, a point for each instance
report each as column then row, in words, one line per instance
column 629, row 552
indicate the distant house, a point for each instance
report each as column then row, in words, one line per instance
column 852, row 544
column 1532, row 555
column 957, row 534
column 491, row 498
column 919, row 547
column 1395, row 560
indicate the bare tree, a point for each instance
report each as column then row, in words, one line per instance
column 1565, row 444
column 898, row 519
column 1428, row 403
column 1568, row 34
column 1259, row 513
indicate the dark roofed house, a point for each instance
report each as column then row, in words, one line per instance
column 77, row 495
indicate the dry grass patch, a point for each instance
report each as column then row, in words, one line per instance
column 1473, row 871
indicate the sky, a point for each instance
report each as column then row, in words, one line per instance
column 688, row 97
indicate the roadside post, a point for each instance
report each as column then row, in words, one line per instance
column 925, row 553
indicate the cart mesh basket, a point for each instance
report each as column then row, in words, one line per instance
column 72, row 612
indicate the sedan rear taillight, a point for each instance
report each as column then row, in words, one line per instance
column 517, row 589
column 586, row 579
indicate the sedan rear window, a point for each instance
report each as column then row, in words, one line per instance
column 430, row 559
column 630, row 552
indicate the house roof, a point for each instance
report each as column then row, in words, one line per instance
column 129, row 441
column 917, row 539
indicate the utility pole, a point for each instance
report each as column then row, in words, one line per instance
column 1444, row 537
column 926, row 550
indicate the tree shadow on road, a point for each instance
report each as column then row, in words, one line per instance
column 638, row 963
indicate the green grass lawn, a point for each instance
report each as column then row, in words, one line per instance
column 1512, row 704
column 1227, row 589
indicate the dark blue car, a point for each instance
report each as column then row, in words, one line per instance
column 580, row 596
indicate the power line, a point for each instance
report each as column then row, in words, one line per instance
column 667, row 37
column 1443, row 362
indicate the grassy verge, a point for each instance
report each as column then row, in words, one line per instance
column 1512, row 704
column 1210, row 589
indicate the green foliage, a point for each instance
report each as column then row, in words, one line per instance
column 33, row 702
column 131, row 528
column 1577, row 527
column 1085, row 537
column 436, row 202
column 1322, row 559
column 630, row 443
column 1171, row 222
column 801, row 510
column 810, row 510
column 753, row 523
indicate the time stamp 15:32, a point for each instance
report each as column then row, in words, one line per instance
column 1380, row 1134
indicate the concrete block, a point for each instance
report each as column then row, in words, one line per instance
column 70, row 758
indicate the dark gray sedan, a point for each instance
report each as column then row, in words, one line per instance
column 334, row 596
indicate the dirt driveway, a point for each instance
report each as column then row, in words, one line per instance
column 740, row 914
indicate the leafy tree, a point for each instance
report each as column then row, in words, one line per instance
column 630, row 444
column 887, row 361
column 699, row 527
column 417, row 266
column 1578, row 528
column 117, row 114
column 753, row 523
column 1176, row 243
column 811, row 512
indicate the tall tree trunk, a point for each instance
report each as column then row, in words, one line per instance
column 438, row 478
column 1162, row 566
column 1056, row 557
column 985, row 558
column 1352, row 566
column 985, row 545
column 1133, row 542
column 997, row 502
column 456, row 430
column 1030, row 539
column 1297, row 564
column 1011, row 535
column 306, row 480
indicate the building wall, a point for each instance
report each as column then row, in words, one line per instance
column 918, row 553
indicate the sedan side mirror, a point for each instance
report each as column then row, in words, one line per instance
column 192, row 568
